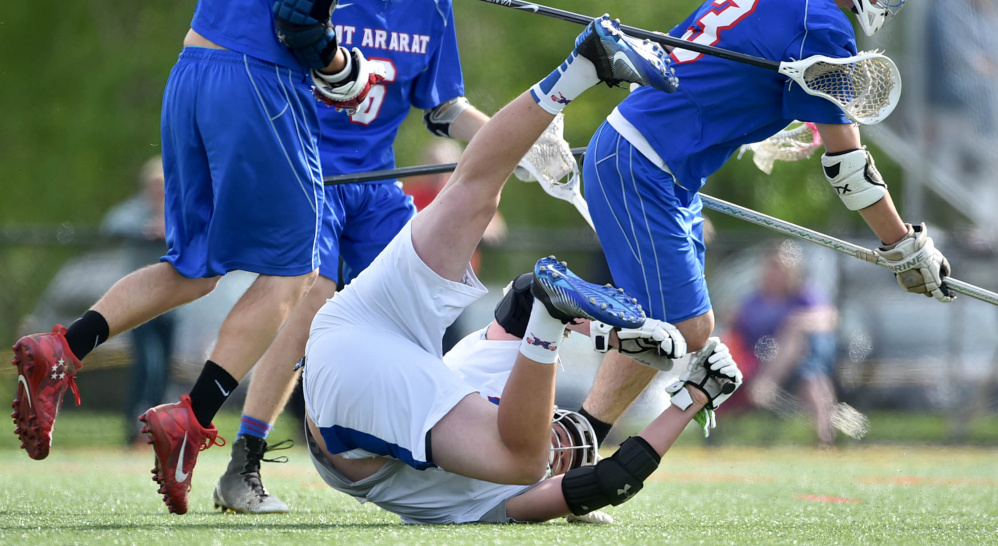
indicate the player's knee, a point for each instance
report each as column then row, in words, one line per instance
column 200, row 287
column 697, row 330
column 613, row 480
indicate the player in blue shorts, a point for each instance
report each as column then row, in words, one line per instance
column 645, row 165
column 243, row 191
column 415, row 44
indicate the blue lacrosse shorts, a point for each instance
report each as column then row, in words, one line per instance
column 359, row 222
column 243, row 182
column 653, row 242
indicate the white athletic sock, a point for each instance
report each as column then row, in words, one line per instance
column 565, row 83
column 543, row 336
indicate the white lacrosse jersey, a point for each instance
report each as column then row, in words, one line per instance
column 433, row 495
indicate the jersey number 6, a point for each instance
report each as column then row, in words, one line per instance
column 368, row 111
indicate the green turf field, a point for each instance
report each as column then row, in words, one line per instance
column 738, row 495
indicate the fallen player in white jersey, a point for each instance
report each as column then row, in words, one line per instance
column 391, row 423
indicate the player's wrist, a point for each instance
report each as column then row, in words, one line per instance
column 339, row 68
column 699, row 397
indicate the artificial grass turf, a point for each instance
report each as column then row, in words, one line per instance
column 729, row 495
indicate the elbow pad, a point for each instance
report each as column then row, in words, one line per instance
column 854, row 177
column 303, row 26
column 439, row 119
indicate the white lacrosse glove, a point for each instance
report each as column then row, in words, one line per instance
column 550, row 158
column 348, row 89
column 595, row 517
column 918, row 266
column 714, row 372
column 655, row 343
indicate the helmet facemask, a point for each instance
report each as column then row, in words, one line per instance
column 874, row 14
column 573, row 442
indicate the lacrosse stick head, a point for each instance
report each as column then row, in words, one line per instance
column 794, row 143
column 866, row 87
column 549, row 161
column 874, row 14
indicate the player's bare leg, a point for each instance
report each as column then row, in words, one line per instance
column 273, row 381
column 47, row 363
column 148, row 293
column 511, row 443
column 620, row 380
column 181, row 430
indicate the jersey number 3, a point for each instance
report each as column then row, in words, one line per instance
column 368, row 111
column 722, row 15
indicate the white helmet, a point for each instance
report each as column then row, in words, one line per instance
column 573, row 442
column 873, row 14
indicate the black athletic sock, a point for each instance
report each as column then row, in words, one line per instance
column 599, row 427
column 210, row 391
column 87, row 333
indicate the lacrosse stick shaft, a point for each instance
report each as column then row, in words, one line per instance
column 659, row 37
column 402, row 172
column 837, row 245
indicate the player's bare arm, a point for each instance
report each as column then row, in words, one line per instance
column 918, row 265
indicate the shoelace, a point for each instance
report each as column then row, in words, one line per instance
column 212, row 440
column 279, row 446
column 251, row 472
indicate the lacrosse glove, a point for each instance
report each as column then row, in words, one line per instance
column 918, row 266
column 714, row 372
column 347, row 89
column 655, row 343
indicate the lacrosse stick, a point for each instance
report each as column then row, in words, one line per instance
column 845, row 418
column 403, row 172
column 551, row 160
column 866, row 87
column 837, row 245
column 798, row 141
column 713, row 203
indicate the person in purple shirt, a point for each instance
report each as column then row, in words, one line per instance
column 787, row 330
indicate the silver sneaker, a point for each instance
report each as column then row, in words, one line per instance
column 240, row 489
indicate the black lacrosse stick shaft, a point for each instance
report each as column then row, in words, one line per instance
column 635, row 32
column 402, row 172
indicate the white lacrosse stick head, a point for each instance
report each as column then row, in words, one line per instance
column 866, row 87
column 798, row 141
column 874, row 14
column 550, row 163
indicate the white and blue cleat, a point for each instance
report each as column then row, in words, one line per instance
column 567, row 297
column 620, row 58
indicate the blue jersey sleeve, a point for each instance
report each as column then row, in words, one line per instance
column 442, row 79
column 830, row 36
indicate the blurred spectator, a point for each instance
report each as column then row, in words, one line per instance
column 139, row 223
column 783, row 338
column 425, row 188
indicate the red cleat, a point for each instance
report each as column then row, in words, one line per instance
column 45, row 369
column 177, row 438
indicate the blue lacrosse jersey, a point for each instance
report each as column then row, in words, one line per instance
column 416, row 42
column 722, row 104
column 244, row 26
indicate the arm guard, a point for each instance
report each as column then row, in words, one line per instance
column 613, row 480
column 303, row 26
column 439, row 119
column 854, row 177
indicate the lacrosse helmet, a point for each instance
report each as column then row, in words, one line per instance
column 573, row 442
column 873, row 14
